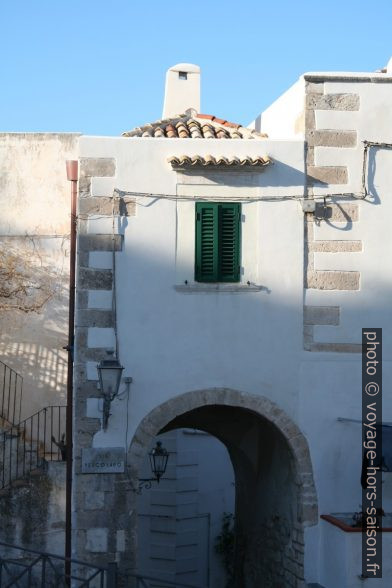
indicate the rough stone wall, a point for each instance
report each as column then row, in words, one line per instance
column 34, row 241
column 102, row 514
column 338, row 211
column 33, row 514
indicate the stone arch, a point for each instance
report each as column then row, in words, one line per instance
column 173, row 409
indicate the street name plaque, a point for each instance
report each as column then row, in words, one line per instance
column 103, row 460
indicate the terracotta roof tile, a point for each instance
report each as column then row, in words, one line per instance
column 194, row 126
column 184, row 161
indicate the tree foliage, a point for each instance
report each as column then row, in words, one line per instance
column 224, row 546
column 25, row 283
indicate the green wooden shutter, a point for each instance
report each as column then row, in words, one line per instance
column 206, row 242
column 217, row 242
column 229, row 242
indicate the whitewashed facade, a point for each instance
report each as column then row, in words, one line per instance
column 268, row 364
column 288, row 332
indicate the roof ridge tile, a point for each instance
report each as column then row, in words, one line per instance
column 196, row 126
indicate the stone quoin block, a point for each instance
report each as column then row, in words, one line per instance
column 309, row 156
column 341, row 213
column 95, row 318
column 333, row 280
column 100, row 166
column 93, row 354
column 331, row 138
column 334, row 246
column 93, row 279
column 333, row 101
column 120, row 540
column 314, row 87
column 308, row 337
column 100, row 242
column 321, row 315
column 337, row 347
column 324, row 174
column 84, row 186
column 82, row 299
column 107, row 206
column 310, row 120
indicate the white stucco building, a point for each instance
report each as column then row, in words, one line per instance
column 231, row 270
column 260, row 346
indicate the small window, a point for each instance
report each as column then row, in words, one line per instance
column 218, row 234
column 182, row 75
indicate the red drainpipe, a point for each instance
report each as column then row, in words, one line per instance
column 72, row 176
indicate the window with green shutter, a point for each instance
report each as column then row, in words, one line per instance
column 218, row 233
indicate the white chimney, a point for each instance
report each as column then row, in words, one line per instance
column 182, row 89
column 389, row 67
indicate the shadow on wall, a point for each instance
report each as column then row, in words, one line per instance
column 34, row 320
column 186, row 508
column 268, row 529
column 276, row 174
column 169, row 335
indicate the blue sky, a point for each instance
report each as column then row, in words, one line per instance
column 98, row 67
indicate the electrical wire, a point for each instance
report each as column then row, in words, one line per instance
column 362, row 195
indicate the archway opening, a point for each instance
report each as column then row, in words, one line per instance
column 185, row 523
column 268, row 514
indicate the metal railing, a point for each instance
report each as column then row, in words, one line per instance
column 151, row 582
column 30, row 444
column 11, row 390
column 20, row 568
column 23, row 568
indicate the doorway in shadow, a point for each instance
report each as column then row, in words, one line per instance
column 274, row 490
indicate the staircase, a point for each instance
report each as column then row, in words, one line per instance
column 11, row 392
column 26, row 568
column 26, row 446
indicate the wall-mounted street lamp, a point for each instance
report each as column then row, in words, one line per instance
column 109, row 374
column 158, row 462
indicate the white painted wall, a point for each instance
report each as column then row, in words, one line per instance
column 197, row 488
column 150, row 308
column 342, row 564
column 34, row 221
column 166, row 340
column 285, row 118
